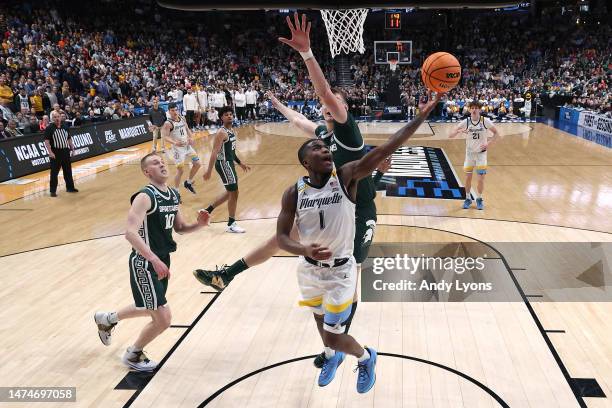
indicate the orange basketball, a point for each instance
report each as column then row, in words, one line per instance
column 441, row 72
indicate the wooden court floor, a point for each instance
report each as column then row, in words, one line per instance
column 64, row 258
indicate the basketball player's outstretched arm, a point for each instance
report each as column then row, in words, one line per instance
column 356, row 170
column 300, row 41
column 284, row 224
column 220, row 137
column 182, row 227
column 136, row 216
column 296, row 118
column 460, row 128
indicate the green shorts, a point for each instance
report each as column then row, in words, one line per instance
column 228, row 175
column 364, row 235
column 148, row 290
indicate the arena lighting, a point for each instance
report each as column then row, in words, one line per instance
column 202, row 5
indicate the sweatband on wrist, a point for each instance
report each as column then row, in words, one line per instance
column 307, row 54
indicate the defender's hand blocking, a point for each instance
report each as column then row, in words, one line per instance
column 300, row 34
column 317, row 252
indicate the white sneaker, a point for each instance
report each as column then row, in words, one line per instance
column 105, row 328
column 234, row 228
column 138, row 361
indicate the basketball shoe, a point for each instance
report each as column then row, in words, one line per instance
column 328, row 371
column 479, row 204
column 234, row 228
column 467, row 203
column 189, row 186
column 138, row 360
column 217, row 279
column 105, row 327
column 366, row 376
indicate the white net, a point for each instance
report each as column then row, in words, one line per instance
column 345, row 30
column 393, row 65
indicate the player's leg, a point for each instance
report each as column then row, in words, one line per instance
column 364, row 234
column 230, row 178
column 180, row 168
column 149, row 300
column 339, row 288
column 468, row 167
column 481, row 171
column 156, row 133
column 221, row 277
column 195, row 166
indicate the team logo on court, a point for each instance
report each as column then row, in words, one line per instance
column 421, row 172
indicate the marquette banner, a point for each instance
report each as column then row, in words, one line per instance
column 26, row 155
column 482, row 272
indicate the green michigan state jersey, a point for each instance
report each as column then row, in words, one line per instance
column 156, row 229
column 346, row 144
column 227, row 152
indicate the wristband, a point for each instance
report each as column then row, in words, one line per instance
column 306, row 54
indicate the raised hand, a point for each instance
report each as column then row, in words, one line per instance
column 300, row 33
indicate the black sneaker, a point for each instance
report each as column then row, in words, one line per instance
column 319, row 360
column 189, row 186
column 53, row 194
column 217, row 279
column 74, row 190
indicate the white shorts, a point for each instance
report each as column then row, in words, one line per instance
column 181, row 153
column 328, row 291
column 476, row 160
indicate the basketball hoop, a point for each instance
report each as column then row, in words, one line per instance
column 345, row 30
column 393, row 64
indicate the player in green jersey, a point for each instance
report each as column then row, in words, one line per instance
column 346, row 144
column 224, row 149
column 153, row 215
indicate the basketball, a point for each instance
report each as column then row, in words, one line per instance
column 441, row 72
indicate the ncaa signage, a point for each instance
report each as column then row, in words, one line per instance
column 27, row 154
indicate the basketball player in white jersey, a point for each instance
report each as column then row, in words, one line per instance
column 322, row 206
column 176, row 132
column 475, row 127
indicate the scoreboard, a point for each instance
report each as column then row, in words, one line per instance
column 393, row 20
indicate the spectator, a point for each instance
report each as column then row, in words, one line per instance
column 3, row 133
column 12, row 129
column 190, row 105
column 240, row 103
column 44, row 123
column 6, row 94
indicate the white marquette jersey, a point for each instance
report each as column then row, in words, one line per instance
column 179, row 129
column 326, row 216
column 477, row 133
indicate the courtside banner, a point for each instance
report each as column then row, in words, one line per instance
column 597, row 122
column 27, row 154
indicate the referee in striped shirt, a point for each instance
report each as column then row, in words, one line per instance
column 60, row 148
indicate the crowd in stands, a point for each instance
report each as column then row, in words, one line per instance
column 95, row 61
